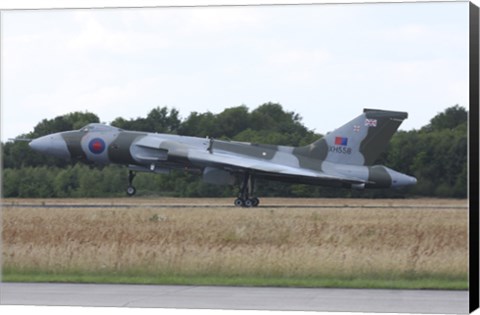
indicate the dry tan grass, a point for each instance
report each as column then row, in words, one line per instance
column 296, row 241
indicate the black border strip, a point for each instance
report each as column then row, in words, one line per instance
column 474, row 159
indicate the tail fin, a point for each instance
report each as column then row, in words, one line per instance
column 358, row 142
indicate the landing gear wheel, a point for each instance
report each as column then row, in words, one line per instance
column 247, row 188
column 238, row 203
column 131, row 191
column 248, row 203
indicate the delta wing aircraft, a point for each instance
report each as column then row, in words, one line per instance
column 342, row 158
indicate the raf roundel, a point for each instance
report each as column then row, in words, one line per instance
column 96, row 146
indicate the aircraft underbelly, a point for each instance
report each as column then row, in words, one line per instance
column 351, row 171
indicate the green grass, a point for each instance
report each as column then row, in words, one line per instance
column 423, row 281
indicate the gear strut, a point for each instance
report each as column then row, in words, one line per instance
column 131, row 189
column 246, row 190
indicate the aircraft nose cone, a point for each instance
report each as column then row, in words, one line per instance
column 51, row 145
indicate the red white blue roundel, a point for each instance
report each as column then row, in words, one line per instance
column 96, row 145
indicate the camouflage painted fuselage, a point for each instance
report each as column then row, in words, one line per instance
column 342, row 158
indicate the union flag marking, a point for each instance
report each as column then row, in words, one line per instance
column 341, row 141
column 371, row 122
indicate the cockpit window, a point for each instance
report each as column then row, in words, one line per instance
column 99, row 127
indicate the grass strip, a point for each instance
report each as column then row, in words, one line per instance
column 442, row 282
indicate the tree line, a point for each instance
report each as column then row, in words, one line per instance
column 436, row 154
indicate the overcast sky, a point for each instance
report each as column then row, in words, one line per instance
column 324, row 62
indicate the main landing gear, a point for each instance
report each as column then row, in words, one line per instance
column 246, row 190
column 130, row 189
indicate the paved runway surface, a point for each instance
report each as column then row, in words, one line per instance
column 241, row 298
column 209, row 206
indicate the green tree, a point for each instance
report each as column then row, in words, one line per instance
column 232, row 121
column 436, row 154
column 161, row 120
column 449, row 119
column 200, row 125
column 71, row 121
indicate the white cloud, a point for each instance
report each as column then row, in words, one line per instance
column 223, row 19
column 296, row 58
column 97, row 36
column 311, row 59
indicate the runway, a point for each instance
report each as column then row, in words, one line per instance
column 209, row 206
column 238, row 298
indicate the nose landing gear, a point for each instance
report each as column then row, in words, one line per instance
column 131, row 189
column 246, row 190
